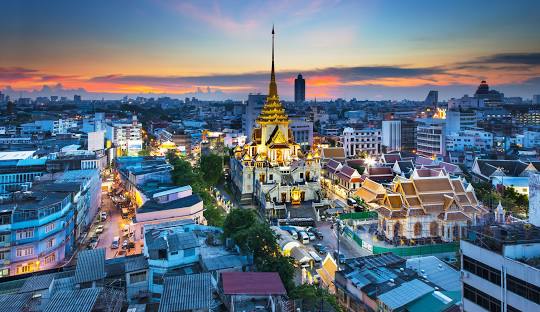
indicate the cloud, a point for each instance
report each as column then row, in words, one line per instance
column 16, row 73
column 509, row 58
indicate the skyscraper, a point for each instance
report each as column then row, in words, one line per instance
column 299, row 89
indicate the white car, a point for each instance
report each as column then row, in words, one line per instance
column 311, row 236
column 100, row 229
column 103, row 216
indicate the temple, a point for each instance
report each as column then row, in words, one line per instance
column 429, row 206
column 271, row 168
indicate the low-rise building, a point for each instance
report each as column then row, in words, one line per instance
column 500, row 268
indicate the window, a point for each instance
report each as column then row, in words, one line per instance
column 49, row 227
column 4, row 272
column 49, row 259
column 482, row 270
column 24, row 234
column 480, row 298
column 23, row 252
column 51, row 243
column 523, row 288
column 4, row 254
column 137, row 277
column 5, row 219
column 417, row 229
column 157, row 278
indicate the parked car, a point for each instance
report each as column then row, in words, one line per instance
column 100, row 229
column 116, row 242
column 311, row 236
column 125, row 244
column 303, row 237
column 320, row 248
column 103, row 216
column 93, row 243
column 293, row 233
column 316, row 232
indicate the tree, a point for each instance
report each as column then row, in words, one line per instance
column 213, row 215
column 312, row 297
column 237, row 220
column 211, row 168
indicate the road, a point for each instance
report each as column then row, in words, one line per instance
column 347, row 247
column 113, row 227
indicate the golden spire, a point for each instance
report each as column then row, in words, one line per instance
column 272, row 111
column 273, row 85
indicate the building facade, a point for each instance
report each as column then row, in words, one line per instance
column 356, row 142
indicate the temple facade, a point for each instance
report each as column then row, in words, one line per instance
column 429, row 206
column 271, row 168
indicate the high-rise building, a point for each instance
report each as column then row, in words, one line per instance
column 299, row 89
column 254, row 106
column 432, row 99
column 391, row 135
column 77, row 98
column 492, row 98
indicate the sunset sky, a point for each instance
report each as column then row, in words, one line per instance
column 221, row 49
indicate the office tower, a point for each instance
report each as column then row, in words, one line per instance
column 77, row 98
column 299, row 89
column 391, row 135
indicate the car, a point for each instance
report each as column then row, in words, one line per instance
column 100, row 229
column 451, row 260
column 311, row 236
column 103, row 216
column 93, row 243
column 115, row 242
column 125, row 244
column 316, row 232
column 320, row 248
column 293, row 233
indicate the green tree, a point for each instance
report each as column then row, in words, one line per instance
column 237, row 220
column 312, row 297
column 211, row 168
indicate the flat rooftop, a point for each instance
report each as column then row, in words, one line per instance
column 500, row 238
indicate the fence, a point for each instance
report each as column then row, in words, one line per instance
column 364, row 215
column 404, row 251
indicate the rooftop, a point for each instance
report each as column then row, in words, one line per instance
column 252, row 283
column 498, row 238
column 187, row 293
column 90, row 266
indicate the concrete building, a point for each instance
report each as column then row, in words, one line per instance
column 125, row 136
column 460, row 120
column 431, row 137
column 500, row 268
column 391, row 135
column 469, row 140
column 302, row 130
column 254, row 106
column 356, row 142
column 37, row 229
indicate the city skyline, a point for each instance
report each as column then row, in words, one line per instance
column 367, row 50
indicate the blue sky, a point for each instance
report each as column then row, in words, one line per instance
column 362, row 49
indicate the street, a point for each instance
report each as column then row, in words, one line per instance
column 112, row 227
column 347, row 247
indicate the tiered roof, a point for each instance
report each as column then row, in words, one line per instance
column 445, row 197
